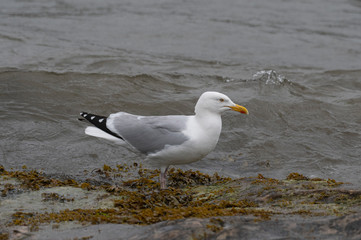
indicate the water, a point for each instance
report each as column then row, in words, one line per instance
column 294, row 64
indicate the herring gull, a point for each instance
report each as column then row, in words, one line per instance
column 167, row 140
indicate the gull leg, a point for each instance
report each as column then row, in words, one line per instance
column 163, row 177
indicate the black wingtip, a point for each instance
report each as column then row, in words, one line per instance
column 98, row 121
column 83, row 114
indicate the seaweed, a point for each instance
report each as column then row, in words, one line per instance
column 191, row 194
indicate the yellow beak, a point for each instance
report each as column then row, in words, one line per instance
column 239, row 108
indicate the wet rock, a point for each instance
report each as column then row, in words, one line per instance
column 199, row 206
column 236, row 227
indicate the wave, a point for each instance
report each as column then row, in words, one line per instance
column 270, row 77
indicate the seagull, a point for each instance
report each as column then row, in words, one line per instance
column 167, row 140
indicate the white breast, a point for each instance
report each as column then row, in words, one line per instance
column 203, row 139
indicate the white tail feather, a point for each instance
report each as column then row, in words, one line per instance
column 96, row 132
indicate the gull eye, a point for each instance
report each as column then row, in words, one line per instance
column 221, row 100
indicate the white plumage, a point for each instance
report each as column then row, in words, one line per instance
column 167, row 140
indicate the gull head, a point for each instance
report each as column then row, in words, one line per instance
column 215, row 102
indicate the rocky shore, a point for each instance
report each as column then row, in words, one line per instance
column 125, row 202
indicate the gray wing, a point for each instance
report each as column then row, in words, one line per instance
column 148, row 134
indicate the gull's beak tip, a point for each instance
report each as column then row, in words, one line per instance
column 239, row 108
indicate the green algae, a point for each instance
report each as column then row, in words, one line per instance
column 191, row 194
column 4, row 236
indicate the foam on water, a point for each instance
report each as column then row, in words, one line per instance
column 269, row 77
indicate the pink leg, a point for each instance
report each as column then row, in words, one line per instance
column 163, row 177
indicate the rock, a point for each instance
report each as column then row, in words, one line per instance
column 198, row 206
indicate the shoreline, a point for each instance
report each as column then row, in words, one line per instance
column 195, row 205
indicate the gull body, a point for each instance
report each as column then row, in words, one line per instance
column 167, row 140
